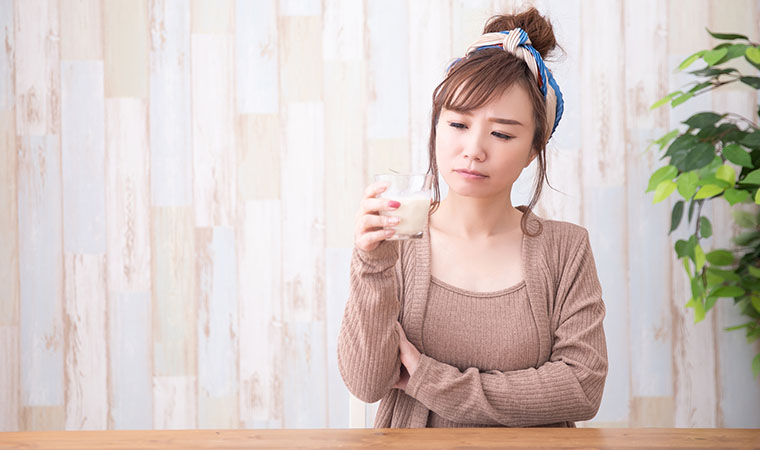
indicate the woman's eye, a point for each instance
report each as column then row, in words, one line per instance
column 502, row 136
column 457, row 125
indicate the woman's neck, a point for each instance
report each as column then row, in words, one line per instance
column 473, row 218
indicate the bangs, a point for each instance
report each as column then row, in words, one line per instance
column 473, row 82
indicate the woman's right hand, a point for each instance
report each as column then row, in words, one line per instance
column 369, row 232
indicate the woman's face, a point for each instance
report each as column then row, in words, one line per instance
column 495, row 141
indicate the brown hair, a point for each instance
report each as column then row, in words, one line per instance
column 474, row 80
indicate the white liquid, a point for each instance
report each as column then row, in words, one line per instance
column 412, row 212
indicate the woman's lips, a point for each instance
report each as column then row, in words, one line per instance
column 470, row 176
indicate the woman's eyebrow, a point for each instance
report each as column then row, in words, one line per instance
column 504, row 121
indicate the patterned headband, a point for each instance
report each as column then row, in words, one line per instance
column 518, row 43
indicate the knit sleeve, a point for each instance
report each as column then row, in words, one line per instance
column 368, row 356
column 568, row 387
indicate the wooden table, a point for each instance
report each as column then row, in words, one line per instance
column 389, row 438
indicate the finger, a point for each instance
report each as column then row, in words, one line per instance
column 376, row 205
column 367, row 239
column 370, row 221
column 375, row 188
column 401, row 331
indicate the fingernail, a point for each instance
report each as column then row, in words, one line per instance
column 393, row 204
column 389, row 233
column 393, row 220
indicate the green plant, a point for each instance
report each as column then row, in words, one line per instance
column 699, row 170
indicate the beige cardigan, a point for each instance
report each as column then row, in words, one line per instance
column 391, row 284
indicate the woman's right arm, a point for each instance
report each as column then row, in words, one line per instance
column 368, row 356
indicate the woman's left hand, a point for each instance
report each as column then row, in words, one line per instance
column 410, row 358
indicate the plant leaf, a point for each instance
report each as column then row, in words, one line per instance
column 682, row 249
column 688, row 61
column 710, row 302
column 724, row 274
column 726, row 173
column 663, row 141
column 753, row 54
column 751, row 81
column 754, row 271
column 665, row 99
column 664, row 189
column 744, row 219
column 755, row 302
column 681, row 98
column 713, row 56
column 691, row 209
column 703, row 119
column 738, row 327
column 707, row 191
column 733, row 51
column 699, row 257
column 746, row 238
column 737, row 155
column 698, row 157
column 727, row 36
column 663, row 173
column 676, row 215
column 705, row 227
column 752, row 177
column 751, row 140
column 734, row 196
column 757, row 197
column 687, row 184
column 720, row 258
column 728, row 292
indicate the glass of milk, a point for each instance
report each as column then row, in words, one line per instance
column 413, row 191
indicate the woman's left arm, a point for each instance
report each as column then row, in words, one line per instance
column 568, row 387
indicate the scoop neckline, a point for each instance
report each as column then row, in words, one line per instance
column 500, row 292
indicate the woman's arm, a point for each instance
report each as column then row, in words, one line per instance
column 568, row 387
column 368, row 357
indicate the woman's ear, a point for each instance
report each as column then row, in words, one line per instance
column 532, row 156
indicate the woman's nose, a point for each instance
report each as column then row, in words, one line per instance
column 474, row 147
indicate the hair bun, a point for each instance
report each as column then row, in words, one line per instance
column 539, row 28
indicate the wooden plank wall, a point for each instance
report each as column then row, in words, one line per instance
column 179, row 179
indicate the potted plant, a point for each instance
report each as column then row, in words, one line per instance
column 699, row 168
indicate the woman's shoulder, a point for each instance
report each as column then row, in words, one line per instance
column 559, row 237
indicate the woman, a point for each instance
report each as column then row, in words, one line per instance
column 494, row 317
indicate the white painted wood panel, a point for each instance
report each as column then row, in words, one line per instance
column 214, row 185
column 300, row 7
column 303, row 216
column 83, row 157
column 130, row 386
column 256, row 55
column 344, row 151
column 85, row 362
column 258, row 234
column 174, row 312
column 171, row 162
column 127, row 195
column 174, row 406
column 9, row 378
column 125, row 48
column 81, row 29
column 337, row 292
column 388, row 76
column 9, row 270
column 650, row 319
column 37, row 67
column 217, row 327
column 7, row 68
column 343, row 30
column 305, row 375
column 40, row 272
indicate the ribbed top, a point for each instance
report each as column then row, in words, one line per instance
column 487, row 330
column 564, row 364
